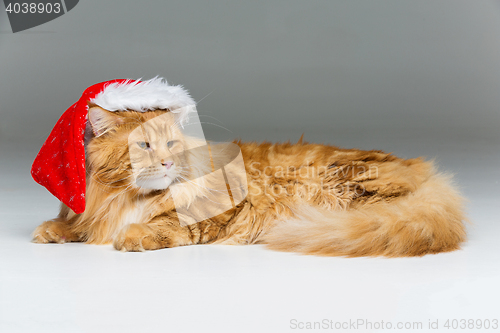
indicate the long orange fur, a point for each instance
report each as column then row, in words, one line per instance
column 303, row 197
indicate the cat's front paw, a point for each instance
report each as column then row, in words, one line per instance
column 53, row 232
column 136, row 238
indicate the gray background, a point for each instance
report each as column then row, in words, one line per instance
column 268, row 65
column 417, row 78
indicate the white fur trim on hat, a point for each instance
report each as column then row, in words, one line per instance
column 148, row 95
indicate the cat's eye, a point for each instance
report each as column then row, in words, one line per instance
column 143, row 145
column 170, row 144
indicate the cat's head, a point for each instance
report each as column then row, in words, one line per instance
column 144, row 150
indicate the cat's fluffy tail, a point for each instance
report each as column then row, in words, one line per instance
column 429, row 220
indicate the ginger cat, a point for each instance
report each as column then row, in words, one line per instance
column 305, row 198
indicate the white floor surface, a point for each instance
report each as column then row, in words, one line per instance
column 206, row 288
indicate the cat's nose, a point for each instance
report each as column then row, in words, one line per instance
column 167, row 165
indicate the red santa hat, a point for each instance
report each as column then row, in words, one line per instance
column 60, row 164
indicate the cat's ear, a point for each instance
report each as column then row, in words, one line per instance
column 102, row 120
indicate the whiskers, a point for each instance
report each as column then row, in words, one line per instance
column 207, row 123
column 151, row 172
